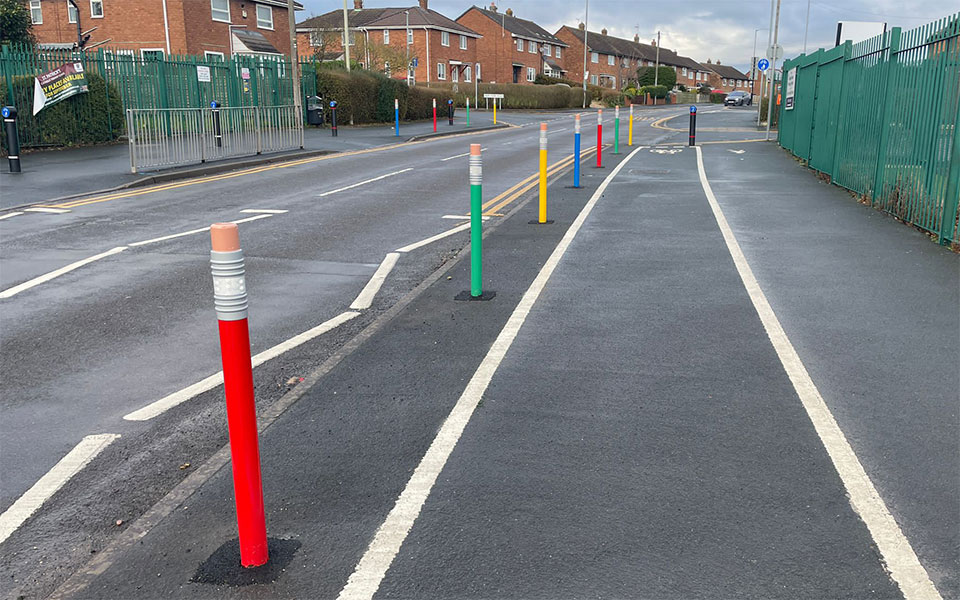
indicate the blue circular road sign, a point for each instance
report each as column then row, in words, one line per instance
column 763, row 64
column 6, row 112
column 693, row 110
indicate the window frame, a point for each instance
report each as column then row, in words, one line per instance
column 558, row 53
column 594, row 80
column 467, row 73
column 98, row 3
column 463, row 42
column 208, row 54
column 441, row 71
column 611, row 60
column 531, row 74
column 519, row 44
column 36, row 5
column 454, row 74
column 270, row 9
column 547, row 51
column 531, row 47
column 445, row 38
column 72, row 12
column 160, row 50
column 214, row 11
column 386, row 37
column 595, row 58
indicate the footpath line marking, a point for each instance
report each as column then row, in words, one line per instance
column 45, row 487
column 369, row 291
column 433, row 238
column 164, row 404
column 194, row 231
column 364, row 182
column 26, row 285
column 268, row 211
column 11, row 214
column 898, row 555
column 53, row 211
column 373, row 566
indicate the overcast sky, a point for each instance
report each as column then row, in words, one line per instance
column 701, row 29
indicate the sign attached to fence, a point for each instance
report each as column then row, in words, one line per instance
column 499, row 96
column 56, row 85
column 791, row 89
column 203, row 73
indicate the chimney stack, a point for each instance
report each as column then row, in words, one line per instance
column 581, row 26
column 358, row 4
column 423, row 4
column 493, row 7
column 653, row 42
column 636, row 38
column 603, row 31
column 509, row 12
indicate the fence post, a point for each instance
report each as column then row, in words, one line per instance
column 203, row 136
column 948, row 217
column 259, row 125
column 885, row 110
column 131, row 137
column 841, row 116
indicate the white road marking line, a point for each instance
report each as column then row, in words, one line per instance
column 13, row 291
column 373, row 566
column 898, row 556
column 462, row 217
column 164, row 404
column 369, row 291
column 8, row 215
column 194, row 231
column 434, row 238
column 350, row 187
column 557, row 130
column 269, row 211
column 68, row 466
column 53, row 211
column 459, row 155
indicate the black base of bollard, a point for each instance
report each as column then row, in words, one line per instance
column 466, row 296
column 536, row 222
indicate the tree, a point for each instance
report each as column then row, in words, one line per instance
column 666, row 76
column 380, row 55
column 15, row 24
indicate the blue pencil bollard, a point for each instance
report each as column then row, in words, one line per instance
column 396, row 117
column 576, row 152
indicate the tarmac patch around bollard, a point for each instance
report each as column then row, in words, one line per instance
column 465, row 295
column 223, row 566
column 536, row 222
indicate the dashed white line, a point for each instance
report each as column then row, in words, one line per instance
column 463, row 217
column 365, row 182
column 26, row 285
column 898, row 555
column 269, row 211
column 53, row 211
column 164, row 404
column 366, row 578
column 369, row 291
column 68, row 466
column 195, row 231
column 11, row 214
column 434, row 238
column 459, row 155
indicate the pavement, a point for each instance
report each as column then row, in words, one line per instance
column 616, row 422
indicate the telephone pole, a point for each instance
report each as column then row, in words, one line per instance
column 346, row 36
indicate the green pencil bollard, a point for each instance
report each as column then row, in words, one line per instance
column 616, row 130
column 476, row 230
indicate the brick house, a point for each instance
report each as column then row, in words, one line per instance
column 726, row 78
column 444, row 50
column 163, row 27
column 513, row 50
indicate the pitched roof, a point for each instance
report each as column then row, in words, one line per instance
column 608, row 44
column 379, row 18
column 726, row 71
column 519, row 27
column 254, row 41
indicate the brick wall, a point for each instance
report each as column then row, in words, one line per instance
column 138, row 24
column 497, row 51
column 573, row 62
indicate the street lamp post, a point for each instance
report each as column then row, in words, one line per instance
column 773, row 67
column 754, row 71
column 656, row 69
column 346, row 36
column 406, row 38
column 586, row 33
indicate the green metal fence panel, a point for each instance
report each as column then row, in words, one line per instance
column 881, row 116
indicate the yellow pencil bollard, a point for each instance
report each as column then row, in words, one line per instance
column 542, row 217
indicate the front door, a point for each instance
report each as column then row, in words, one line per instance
column 516, row 73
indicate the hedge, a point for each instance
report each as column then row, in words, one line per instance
column 657, row 91
column 86, row 118
column 717, row 97
column 613, row 98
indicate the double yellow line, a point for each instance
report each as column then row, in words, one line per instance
column 494, row 206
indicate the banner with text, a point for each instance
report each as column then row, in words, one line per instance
column 56, row 85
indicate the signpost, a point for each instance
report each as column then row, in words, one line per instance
column 493, row 97
column 763, row 64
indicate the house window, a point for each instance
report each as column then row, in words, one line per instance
column 463, row 42
column 558, row 52
column 593, row 80
column 444, row 38
column 546, row 49
column 610, row 60
column 386, row 36
column 264, row 17
column 409, row 36
column 532, row 46
column 71, row 13
column 352, row 36
column 684, row 71
column 594, row 57
column 152, row 53
column 441, row 71
column 519, row 45
column 36, row 12
column 220, row 10
column 698, row 75
column 724, row 81
column 531, row 73
column 467, row 73
column 96, row 9
column 208, row 55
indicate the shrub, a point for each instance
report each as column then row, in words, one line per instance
column 356, row 94
column 88, row 118
column 420, row 104
column 717, row 97
column 656, row 91
column 665, row 76
column 613, row 98
column 547, row 80
column 763, row 113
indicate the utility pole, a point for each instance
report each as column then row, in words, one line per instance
column 294, row 59
column 769, row 42
column 754, row 71
column 406, row 39
column 806, row 28
column 346, row 36
column 656, row 69
column 773, row 68
column 586, row 33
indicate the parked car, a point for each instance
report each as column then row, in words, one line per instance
column 738, row 99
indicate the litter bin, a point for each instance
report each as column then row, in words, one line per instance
column 314, row 110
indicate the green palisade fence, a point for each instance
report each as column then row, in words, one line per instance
column 154, row 81
column 880, row 118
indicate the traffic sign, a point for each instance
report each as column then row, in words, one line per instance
column 763, row 64
column 775, row 52
column 415, row 61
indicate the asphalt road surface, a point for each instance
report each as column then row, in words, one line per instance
column 639, row 438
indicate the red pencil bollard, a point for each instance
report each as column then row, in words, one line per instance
column 599, row 137
column 230, row 300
